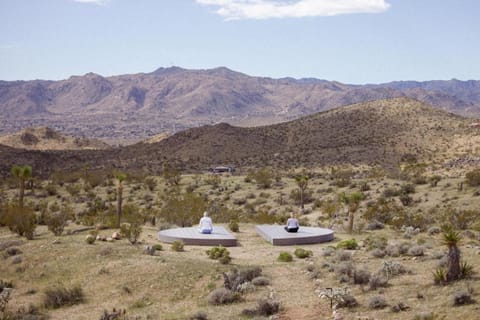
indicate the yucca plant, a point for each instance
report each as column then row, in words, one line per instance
column 120, row 177
column 451, row 239
column 440, row 276
column 22, row 174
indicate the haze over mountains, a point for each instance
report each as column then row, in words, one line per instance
column 133, row 107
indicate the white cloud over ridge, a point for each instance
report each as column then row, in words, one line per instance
column 267, row 9
column 97, row 2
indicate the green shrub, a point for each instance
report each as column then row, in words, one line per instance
column 233, row 226
column 20, row 220
column 119, row 314
column 219, row 253
column 131, row 231
column 350, row 244
column 377, row 302
column 472, row 178
column 177, row 246
column 157, row 247
column 285, row 257
column 90, row 239
column 56, row 222
column 59, row 297
column 302, row 253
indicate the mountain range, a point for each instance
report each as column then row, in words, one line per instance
column 376, row 133
column 128, row 108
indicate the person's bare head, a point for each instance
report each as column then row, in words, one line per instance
column 292, row 214
column 205, row 214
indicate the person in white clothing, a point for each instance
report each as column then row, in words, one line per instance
column 292, row 224
column 205, row 225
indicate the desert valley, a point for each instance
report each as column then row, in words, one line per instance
column 93, row 168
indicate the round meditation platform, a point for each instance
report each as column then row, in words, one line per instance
column 191, row 236
column 277, row 235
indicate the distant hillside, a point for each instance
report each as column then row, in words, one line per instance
column 373, row 133
column 44, row 138
column 136, row 106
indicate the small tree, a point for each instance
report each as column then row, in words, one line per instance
column 353, row 202
column 184, row 209
column 264, row 177
column 171, row 175
column 120, row 178
column 22, row 174
column 302, row 183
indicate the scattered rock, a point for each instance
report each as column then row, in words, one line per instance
column 116, row 236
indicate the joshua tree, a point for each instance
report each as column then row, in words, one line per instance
column 22, row 174
column 353, row 202
column 451, row 239
column 120, row 177
column 302, row 183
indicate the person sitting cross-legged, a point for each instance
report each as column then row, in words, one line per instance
column 292, row 224
column 205, row 225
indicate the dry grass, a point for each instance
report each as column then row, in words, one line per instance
column 176, row 285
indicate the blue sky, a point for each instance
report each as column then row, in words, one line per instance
column 351, row 41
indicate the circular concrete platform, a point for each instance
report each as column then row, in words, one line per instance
column 191, row 236
column 277, row 235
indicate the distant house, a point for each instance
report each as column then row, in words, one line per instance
column 474, row 125
column 221, row 169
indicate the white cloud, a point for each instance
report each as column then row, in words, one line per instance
column 266, row 9
column 97, row 2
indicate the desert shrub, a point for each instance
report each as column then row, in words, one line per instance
column 199, row 315
column 392, row 268
column 361, row 276
column 73, row 189
column 377, row 281
column 150, row 183
column 12, row 251
column 51, row 189
column 264, row 178
column 461, row 298
column 267, row 307
column 131, row 231
column 407, row 189
column 261, row 281
column 416, row 251
column 342, row 255
column 472, row 178
column 344, row 270
column 20, row 220
column 157, row 247
column 350, row 244
column 119, row 314
column 233, row 226
column 400, row 306
column 61, row 296
column 375, row 225
column 377, row 302
column 235, row 277
column 302, row 253
column 177, row 246
column 90, row 239
column 378, row 253
column 56, row 222
column 296, row 196
column 376, row 242
column 434, row 230
column 219, row 253
column 345, row 300
column 460, row 219
column 424, row 316
column 419, row 180
column 406, row 200
column 222, row 296
column 390, row 192
column 285, row 257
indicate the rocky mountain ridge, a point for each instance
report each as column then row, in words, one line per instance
column 172, row 99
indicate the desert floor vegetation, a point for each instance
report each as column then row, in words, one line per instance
column 391, row 272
